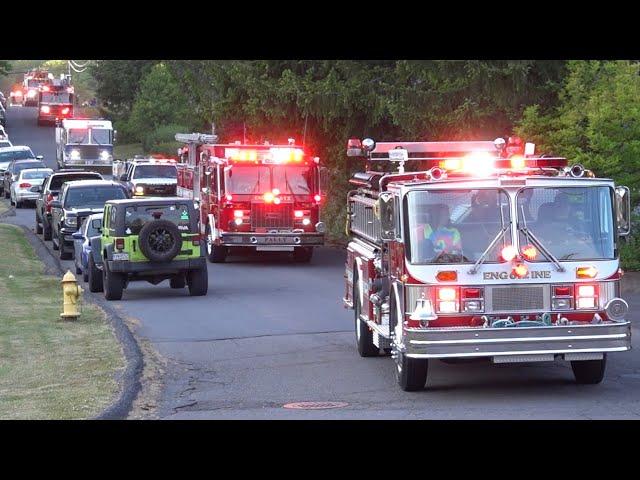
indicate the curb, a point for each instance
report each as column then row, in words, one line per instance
column 130, row 378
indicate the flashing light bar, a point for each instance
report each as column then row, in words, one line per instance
column 275, row 155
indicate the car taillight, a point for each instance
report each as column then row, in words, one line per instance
column 447, row 300
column 586, row 297
column 120, row 243
column 195, row 240
column 25, row 185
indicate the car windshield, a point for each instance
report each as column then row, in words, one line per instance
column 155, row 171
column 573, row 223
column 293, row 179
column 58, row 180
column 92, row 197
column 101, row 136
column 456, row 226
column 137, row 217
column 16, row 155
column 36, row 174
column 22, row 166
column 55, row 97
column 247, row 180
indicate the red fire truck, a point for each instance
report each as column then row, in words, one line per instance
column 486, row 250
column 55, row 102
column 33, row 80
column 260, row 197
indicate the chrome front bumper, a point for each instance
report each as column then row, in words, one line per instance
column 489, row 342
column 244, row 239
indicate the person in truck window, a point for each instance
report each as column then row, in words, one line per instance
column 435, row 235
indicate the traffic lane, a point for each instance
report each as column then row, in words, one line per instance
column 253, row 378
column 23, row 130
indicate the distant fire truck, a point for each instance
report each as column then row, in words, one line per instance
column 490, row 251
column 262, row 197
column 31, row 84
column 55, row 102
column 85, row 143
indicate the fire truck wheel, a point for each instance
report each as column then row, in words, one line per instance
column 113, row 283
column 160, row 240
column 411, row 373
column 177, row 282
column 303, row 254
column 198, row 282
column 95, row 277
column 364, row 336
column 215, row 253
column 589, row 372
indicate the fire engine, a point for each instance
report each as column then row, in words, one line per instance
column 55, row 102
column 486, row 250
column 85, row 143
column 261, row 197
column 31, row 84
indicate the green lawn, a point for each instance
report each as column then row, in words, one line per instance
column 49, row 368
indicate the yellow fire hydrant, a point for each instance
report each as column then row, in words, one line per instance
column 71, row 292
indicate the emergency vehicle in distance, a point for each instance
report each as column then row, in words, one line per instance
column 491, row 251
column 55, row 102
column 147, row 176
column 85, row 143
column 262, row 197
column 33, row 80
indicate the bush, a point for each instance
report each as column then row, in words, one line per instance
column 162, row 139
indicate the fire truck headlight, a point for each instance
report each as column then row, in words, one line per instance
column 45, row 109
column 306, row 221
column 105, row 155
column 472, row 306
column 238, row 221
column 139, row 190
column 320, row 228
column 74, row 155
column 561, row 304
column 31, row 93
column 447, row 307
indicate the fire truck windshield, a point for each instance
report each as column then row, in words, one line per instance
column 99, row 136
column 33, row 83
column 55, row 97
column 573, row 223
column 258, row 179
column 456, row 226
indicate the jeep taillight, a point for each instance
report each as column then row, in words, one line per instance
column 120, row 243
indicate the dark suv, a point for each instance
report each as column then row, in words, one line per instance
column 151, row 239
column 49, row 192
column 77, row 200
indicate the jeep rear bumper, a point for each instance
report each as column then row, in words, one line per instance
column 608, row 336
column 156, row 268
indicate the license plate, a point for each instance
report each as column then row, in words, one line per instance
column 121, row 256
column 277, row 240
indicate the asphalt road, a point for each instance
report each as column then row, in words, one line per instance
column 271, row 332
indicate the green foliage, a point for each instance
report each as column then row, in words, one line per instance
column 160, row 102
column 162, row 139
column 630, row 254
column 5, row 67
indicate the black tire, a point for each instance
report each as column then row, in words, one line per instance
column 113, row 283
column 78, row 269
column 215, row 253
column 589, row 372
column 64, row 255
column 94, row 277
column 364, row 336
column 198, row 281
column 177, row 282
column 160, row 241
column 46, row 230
column 38, row 224
column 54, row 241
column 303, row 254
column 411, row 373
column 85, row 276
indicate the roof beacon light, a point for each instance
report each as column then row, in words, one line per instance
column 520, row 270
column 509, row 253
column 517, row 162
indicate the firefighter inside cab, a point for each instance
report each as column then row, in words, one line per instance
column 488, row 251
column 256, row 198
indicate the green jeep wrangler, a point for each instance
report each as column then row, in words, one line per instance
column 152, row 239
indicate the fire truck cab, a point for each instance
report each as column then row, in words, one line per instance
column 85, row 143
column 258, row 197
column 55, row 102
column 489, row 251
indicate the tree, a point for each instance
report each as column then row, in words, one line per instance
column 5, row 67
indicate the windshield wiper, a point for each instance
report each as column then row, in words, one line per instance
column 496, row 239
column 537, row 243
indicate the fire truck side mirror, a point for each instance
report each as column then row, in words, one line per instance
column 623, row 210
column 386, row 212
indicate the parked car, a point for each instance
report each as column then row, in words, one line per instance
column 90, row 229
column 26, row 186
column 4, row 140
column 151, row 239
column 77, row 200
column 13, row 170
column 49, row 192
column 8, row 154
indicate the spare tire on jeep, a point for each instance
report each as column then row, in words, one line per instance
column 160, row 240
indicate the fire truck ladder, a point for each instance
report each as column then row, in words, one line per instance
column 199, row 138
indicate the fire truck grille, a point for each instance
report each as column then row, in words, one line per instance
column 264, row 215
column 517, row 299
